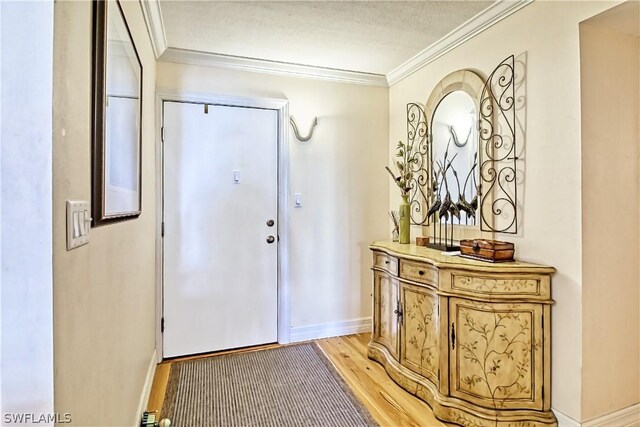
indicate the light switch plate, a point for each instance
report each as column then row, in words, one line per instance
column 297, row 199
column 78, row 223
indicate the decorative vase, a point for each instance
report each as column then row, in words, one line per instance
column 404, row 219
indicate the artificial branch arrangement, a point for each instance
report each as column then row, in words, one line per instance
column 405, row 157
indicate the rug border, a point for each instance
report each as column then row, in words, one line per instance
column 362, row 410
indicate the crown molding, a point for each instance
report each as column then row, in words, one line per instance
column 155, row 25
column 455, row 38
column 485, row 19
column 193, row 57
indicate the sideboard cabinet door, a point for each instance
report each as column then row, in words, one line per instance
column 420, row 329
column 385, row 322
column 496, row 353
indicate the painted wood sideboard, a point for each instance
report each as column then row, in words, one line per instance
column 470, row 338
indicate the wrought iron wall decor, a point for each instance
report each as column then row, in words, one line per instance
column 417, row 136
column 498, row 151
column 297, row 133
column 486, row 193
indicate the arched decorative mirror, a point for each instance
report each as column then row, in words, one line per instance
column 452, row 118
column 463, row 157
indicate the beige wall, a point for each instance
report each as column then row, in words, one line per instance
column 104, row 291
column 340, row 174
column 547, row 33
column 610, row 246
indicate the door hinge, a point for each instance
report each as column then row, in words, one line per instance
column 162, row 325
column 162, row 230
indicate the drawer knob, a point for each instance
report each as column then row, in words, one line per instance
column 420, row 272
column 386, row 262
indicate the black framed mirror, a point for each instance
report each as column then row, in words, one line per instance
column 117, row 117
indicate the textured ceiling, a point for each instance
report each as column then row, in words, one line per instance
column 365, row 36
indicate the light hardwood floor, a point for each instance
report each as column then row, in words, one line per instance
column 389, row 404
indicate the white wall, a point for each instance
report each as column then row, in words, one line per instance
column 340, row 174
column 104, row 292
column 26, row 61
column 547, row 32
column 610, row 77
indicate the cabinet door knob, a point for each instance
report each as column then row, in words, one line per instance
column 398, row 312
column 420, row 272
column 453, row 336
column 271, row 239
column 270, row 223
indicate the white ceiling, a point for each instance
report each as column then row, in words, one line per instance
column 364, row 36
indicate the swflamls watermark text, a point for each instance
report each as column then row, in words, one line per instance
column 31, row 418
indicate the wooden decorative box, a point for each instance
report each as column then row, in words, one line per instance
column 487, row 250
column 422, row 241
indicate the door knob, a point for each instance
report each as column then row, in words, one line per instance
column 271, row 239
column 270, row 223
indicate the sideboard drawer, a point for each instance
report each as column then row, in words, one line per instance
column 385, row 262
column 498, row 285
column 418, row 272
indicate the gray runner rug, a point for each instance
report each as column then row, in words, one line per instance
column 292, row 386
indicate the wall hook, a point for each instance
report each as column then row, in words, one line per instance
column 297, row 133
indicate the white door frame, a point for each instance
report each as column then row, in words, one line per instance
column 282, row 107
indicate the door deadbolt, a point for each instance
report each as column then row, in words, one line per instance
column 270, row 223
column 271, row 239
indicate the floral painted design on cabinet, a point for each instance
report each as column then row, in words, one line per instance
column 496, row 347
column 420, row 349
column 496, row 286
column 387, row 322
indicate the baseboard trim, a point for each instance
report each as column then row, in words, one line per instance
column 565, row 420
column 626, row 417
column 146, row 389
column 334, row 329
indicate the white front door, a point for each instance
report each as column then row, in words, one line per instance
column 220, row 218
